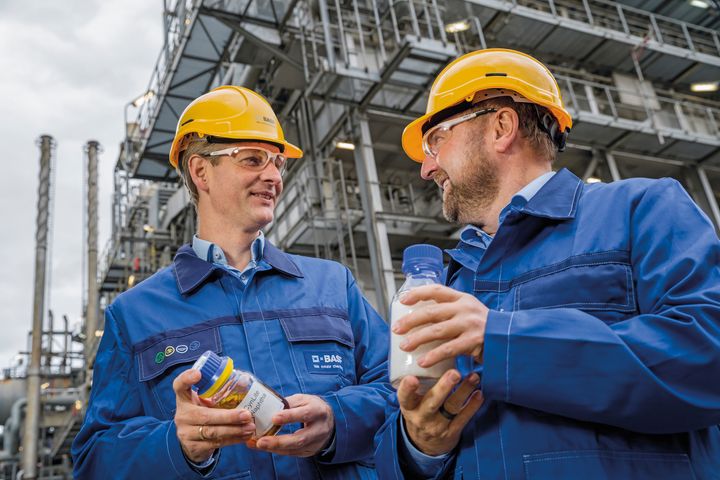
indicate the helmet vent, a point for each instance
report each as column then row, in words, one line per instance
column 497, row 74
column 187, row 121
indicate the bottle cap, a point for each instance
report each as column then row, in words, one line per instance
column 214, row 370
column 422, row 258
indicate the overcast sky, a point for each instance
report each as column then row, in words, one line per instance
column 67, row 69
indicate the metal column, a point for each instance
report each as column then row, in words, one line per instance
column 612, row 165
column 710, row 195
column 91, row 309
column 32, row 413
column 378, row 243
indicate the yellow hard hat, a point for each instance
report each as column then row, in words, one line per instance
column 492, row 68
column 231, row 113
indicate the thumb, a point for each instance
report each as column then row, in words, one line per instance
column 183, row 383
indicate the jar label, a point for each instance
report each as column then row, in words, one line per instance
column 262, row 403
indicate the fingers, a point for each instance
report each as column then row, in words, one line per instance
column 182, row 385
column 473, row 404
column 303, row 414
column 455, row 402
column 427, row 314
column 432, row 332
column 436, row 396
column 218, row 416
column 289, row 444
column 461, row 345
column 439, row 293
column 408, row 398
column 225, row 434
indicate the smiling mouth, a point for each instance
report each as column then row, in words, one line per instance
column 265, row 195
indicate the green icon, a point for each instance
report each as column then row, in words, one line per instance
column 160, row 357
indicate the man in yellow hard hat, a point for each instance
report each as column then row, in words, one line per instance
column 299, row 324
column 584, row 319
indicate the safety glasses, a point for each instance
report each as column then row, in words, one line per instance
column 252, row 158
column 441, row 133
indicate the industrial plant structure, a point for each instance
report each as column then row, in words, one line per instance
column 345, row 77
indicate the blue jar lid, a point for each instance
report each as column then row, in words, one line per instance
column 422, row 258
column 211, row 366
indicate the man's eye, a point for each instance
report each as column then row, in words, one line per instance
column 252, row 161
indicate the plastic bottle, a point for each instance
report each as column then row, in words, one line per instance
column 422, row 265
column 228, row 388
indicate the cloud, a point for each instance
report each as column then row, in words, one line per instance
column 69, row 69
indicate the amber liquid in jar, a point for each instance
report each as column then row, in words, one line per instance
column 225, row 387
column 235, row 391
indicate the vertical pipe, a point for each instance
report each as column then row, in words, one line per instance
column 381, row 40
column 481, row 35
column 588, row 12
column 32, row 416
column 441, row 25
column 325, row 19
column 612, row 165
column 710, row 195
column 621, row 16
column 378, row 242
column 49, row 337
column 66, row 338
column 414, row 19
column 91, row 310
column 341, row 35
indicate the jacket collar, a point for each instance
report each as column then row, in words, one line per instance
column 191, row 272
column 558, row 198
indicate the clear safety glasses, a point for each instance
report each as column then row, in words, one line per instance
column 441, row 133
column 253, row 158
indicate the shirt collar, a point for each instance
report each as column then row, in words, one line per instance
column 478, row 237
column 551, row 195
column 558, row 198
column 212, row 253
column 191, row 271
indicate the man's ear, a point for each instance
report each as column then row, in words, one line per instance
column 506, row 128
column 198, row 169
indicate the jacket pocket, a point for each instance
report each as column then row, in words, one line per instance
column 606, row 464
column 601, row 283
column 163, row 357
column 321, row 344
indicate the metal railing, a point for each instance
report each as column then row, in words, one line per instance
column 658, row 112
column 631, row 21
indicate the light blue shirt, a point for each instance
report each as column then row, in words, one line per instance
column 425, row 465
column 210, row 252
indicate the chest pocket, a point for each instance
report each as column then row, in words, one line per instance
column 163, row 357
column 321, row 348
column 599, row 283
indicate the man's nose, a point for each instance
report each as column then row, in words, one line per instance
column 429, row 167
column 271, row 173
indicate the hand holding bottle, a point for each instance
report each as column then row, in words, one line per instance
column 456, row 321
column 202, row 430
column 318, row 423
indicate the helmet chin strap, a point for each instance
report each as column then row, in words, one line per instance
column 550, row 125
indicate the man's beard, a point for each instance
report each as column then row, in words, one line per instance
column 470, row 195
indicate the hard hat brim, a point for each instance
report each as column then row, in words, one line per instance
column 412, row 138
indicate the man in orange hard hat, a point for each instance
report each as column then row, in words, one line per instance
column 584, row 319
column 299, row 324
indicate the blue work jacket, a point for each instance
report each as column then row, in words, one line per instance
column 602, row 345
column 300, row 324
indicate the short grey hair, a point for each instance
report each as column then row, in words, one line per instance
column 195, row 146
